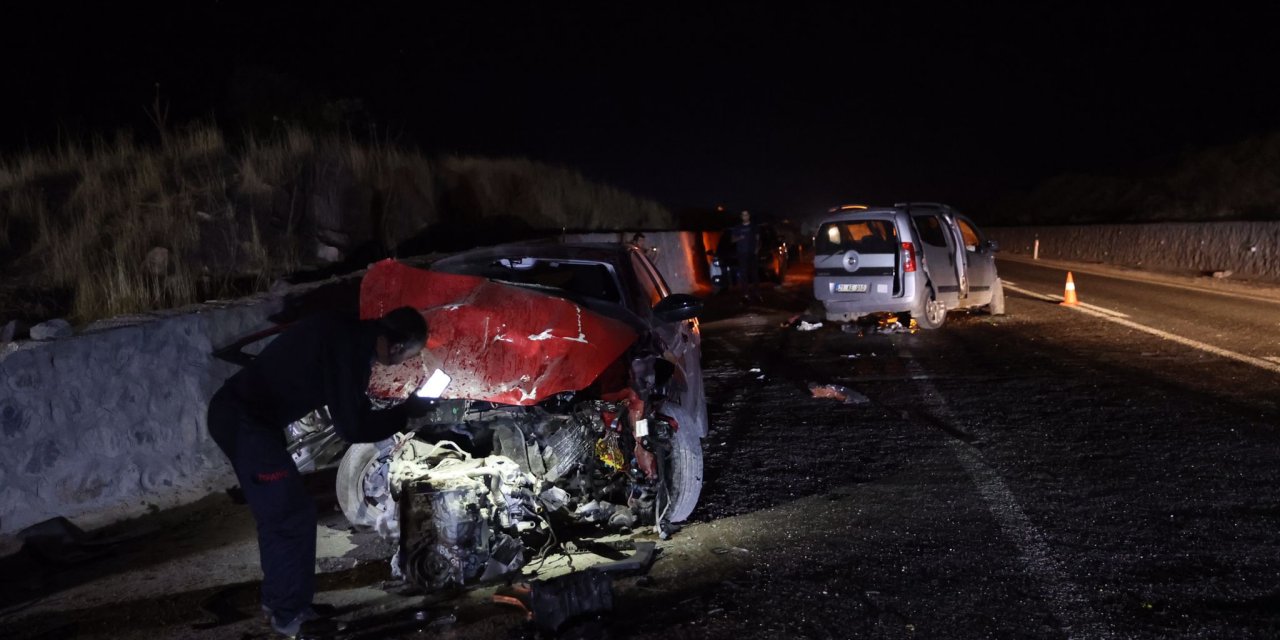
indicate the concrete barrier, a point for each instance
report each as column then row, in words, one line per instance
column 1249, row 250
column 110, row 424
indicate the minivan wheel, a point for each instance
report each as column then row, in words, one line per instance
column 996, row 308
column 934, row 312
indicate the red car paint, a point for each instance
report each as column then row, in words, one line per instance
column 498, row 342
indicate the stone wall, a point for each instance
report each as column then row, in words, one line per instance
column 110, row 423
column 1250, row 250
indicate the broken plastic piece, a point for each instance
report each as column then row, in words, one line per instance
column 808, row 326
column 576, row 595
column 837, row 392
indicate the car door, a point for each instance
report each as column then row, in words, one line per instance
column 942, row 254
column 980, row 260
column 683, row 339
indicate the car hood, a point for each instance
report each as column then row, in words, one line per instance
column 498, row 342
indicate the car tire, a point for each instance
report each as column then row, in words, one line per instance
column 996, row 307
column 686, row 467
column 349, row 485
column 932, row 313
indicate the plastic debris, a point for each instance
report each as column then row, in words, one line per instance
column 837, row 392
column 881, row 323
column 808, row 326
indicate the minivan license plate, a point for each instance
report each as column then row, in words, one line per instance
column 851, row 288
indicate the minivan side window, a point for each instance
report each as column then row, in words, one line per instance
column 930, row 227
column 971, row 237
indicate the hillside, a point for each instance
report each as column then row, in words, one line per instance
column 117, row 227
column 1238, row 181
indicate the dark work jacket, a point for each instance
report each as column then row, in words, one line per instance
column 322, row 360
column 744, row 238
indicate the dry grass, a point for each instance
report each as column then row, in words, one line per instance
column 83, row 218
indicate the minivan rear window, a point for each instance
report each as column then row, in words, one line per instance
column 863, row 236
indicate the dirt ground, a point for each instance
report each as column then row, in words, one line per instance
column 1035, row 475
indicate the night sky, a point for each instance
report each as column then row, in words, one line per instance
column 789, row 107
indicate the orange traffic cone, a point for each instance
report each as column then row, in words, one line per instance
column 1069, row 295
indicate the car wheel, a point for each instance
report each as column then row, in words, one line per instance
column 996, row 308
column 349, row 486
column 686, row 467
column 933, row 313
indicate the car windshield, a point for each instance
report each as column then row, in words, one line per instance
column 863, row 236
column 585, row 279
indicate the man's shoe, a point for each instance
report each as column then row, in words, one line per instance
column 300, row 623
column 313, row 611
column 288, row 629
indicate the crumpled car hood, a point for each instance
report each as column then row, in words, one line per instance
column 498, row 342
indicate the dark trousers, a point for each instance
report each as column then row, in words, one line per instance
column 748, row 270
column 281, row 506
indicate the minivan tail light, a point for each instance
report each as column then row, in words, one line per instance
column 908, row 257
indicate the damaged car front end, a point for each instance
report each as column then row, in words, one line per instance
column 556, row 396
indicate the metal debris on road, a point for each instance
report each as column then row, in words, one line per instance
column 881, row 323
column 837, row 392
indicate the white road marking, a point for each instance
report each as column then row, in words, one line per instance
column 1064, row 597
column 1262, row 363
column 1110, row 312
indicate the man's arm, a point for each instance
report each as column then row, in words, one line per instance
column 349, row 406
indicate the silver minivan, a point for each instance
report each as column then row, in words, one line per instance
column 923, row 259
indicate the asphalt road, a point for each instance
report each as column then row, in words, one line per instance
column 1051, row 473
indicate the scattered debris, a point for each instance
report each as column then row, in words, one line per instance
column 551, row 604
column 808, row 326
column 754, row 370
column 640, row 562
column 880, row 323
column 51, row 329
column 1226, row 273
column 837, row 392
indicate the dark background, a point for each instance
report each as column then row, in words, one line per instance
column 788, row 108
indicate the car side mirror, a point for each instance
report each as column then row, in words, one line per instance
column 992, row 246
column 677, row 307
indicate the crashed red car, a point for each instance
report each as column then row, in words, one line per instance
column 560, row 388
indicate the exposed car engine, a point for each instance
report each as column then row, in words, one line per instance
column 462, row 518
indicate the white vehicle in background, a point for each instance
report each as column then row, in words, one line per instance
column 922, row 259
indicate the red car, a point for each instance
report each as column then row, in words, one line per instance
column 561, row 386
